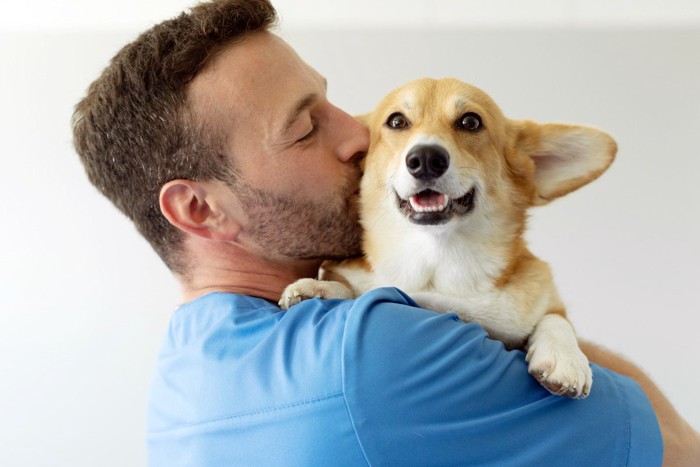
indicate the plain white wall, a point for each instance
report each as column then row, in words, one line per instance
column 84, row 302
column 128, row 14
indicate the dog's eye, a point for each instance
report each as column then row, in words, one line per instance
column 470, row 122
column 397, row 121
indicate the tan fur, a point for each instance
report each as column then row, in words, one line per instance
column 473, row 263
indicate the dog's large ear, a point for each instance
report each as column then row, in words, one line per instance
column 566, row 157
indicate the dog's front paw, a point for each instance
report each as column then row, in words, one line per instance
column 304, row 289
column 562, row 371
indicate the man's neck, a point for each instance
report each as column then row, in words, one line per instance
column 233, row 270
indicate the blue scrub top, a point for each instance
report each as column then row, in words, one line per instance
column 372, row 381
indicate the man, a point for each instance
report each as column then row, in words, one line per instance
column 218, row 141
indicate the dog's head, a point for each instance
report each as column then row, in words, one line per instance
column 442, row 151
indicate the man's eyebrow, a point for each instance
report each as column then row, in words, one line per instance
column 303, row 104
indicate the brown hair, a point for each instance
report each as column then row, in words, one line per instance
column 134, row 131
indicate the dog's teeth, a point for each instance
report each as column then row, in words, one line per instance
column 435, row 202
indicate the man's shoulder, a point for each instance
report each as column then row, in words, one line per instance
column 259, row 356
column 248, row 348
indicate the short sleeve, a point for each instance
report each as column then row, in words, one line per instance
column 427, row 389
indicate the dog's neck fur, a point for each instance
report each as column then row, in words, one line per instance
column 461, row 257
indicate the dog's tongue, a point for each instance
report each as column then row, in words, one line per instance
column 428, row 200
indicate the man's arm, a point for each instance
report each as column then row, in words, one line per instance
column 681, row 441
column 427, row 389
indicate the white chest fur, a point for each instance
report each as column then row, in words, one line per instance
column 438, row 259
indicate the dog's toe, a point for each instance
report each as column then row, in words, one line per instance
column 305, row 289
column 564, row 374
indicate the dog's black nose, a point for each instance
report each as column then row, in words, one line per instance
column 427, row 161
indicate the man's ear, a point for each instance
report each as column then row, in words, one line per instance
column 198, row 208
column 566, row 157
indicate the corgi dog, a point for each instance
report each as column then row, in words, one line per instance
column 446, row 186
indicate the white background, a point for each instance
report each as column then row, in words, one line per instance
column 84, row 303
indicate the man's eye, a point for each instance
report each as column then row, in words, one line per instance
column 308, row 135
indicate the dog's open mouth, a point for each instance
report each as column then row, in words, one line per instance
column 429, row 207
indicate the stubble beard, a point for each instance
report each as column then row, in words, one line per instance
column 301, row 229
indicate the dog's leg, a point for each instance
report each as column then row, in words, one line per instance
column 495, row 311
column 555, row 359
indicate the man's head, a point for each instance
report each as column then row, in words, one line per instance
column 210, row 126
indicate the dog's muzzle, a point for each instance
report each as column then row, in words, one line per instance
column 427, row 163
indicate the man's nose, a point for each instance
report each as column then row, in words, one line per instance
column 355, row 139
